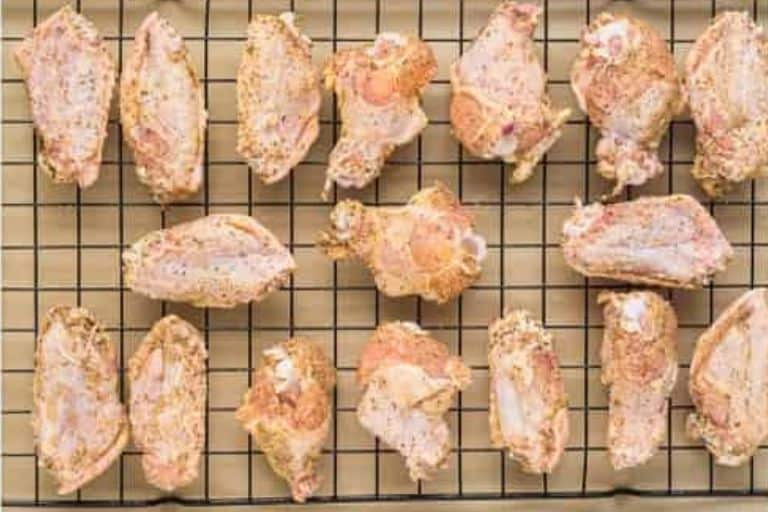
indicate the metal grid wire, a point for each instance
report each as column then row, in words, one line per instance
column 499, row 477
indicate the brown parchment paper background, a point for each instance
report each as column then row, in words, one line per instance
column 60, row 246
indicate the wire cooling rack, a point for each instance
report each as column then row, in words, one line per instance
column 61, row 245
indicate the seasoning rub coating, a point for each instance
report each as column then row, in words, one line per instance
column 217, row 261
column 278, row 97
column 163, row 112
column 639, row 359
column 378, row 88
column 167, row 405
column 528, row 409
column 662, row 241
column 500, row 107
column 70, row 77
column 729, row 381
column 288, row 411
column 79, row 424
column 408, row 381
column 625, row 79
column 726, row 81
column 427, row 247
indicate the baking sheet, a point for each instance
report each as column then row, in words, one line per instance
column 59, row 246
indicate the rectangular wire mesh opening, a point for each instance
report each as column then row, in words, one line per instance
column 61, row 245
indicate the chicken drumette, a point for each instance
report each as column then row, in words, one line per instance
column 500, row 107
column 408, row 382
column 378, row 87
column 528, row 410
column 639, row 357
column 288, row 411
column 726, row 81
column 625, row 79
column 426, row 248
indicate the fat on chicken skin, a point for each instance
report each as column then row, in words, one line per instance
column 500, row 107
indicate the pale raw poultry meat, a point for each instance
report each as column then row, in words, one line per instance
column 408, row 381
column 427, row 247
column 79, row 424
column 288, row 411
column 500, row 107
column 528, row 407
column 625, row 79
column 378, row 88
column 729, row 381
column 639, row 366
column 217, row 261
column 726, row 82
column 661, row 241
column 70, row 77
column 167, row 404
column 162, row 111
column 278, row 97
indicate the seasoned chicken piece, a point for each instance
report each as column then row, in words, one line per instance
column 500, row 107
column 726, row 81
column 378, row 87
column 661, row 241
column 163, row 112
column 625, row 80
column 167, row 408
column 408, row 381
column 217, row 261
column 278, row 97
column 70, row 76
column 729, row 381
column 79, row 424
column 639, row 356
column 528, row 408
column 288, row 411
column 427, row 247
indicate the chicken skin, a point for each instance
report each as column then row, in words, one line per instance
column 278, row 97
column 408, row 382
column 625, row 80
column 162, row 110
column 726, row 81
column 288, row 411
column 639, row 358
column 729, row 381
column 528, row 408
column 217, row 261
column 426, row 248
column 167, row 407
column 500, row 107
column 70, row 77
column 660, row 241
column 378, row 88
column 79, row 424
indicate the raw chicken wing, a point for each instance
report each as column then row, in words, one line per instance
column 729, row 381
column 163, row 112
column 426, row 248
column 278, row 97
column 288, row 411
column 167, row 408
column 500, row 107
column 408, row 381
column 528, row 409
column 217, row 261
column 378, row 88
column 70, row 76
column 661, row 241
column 639, row 357
column 79, row 424
column 726, row 81
column 625, row 79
